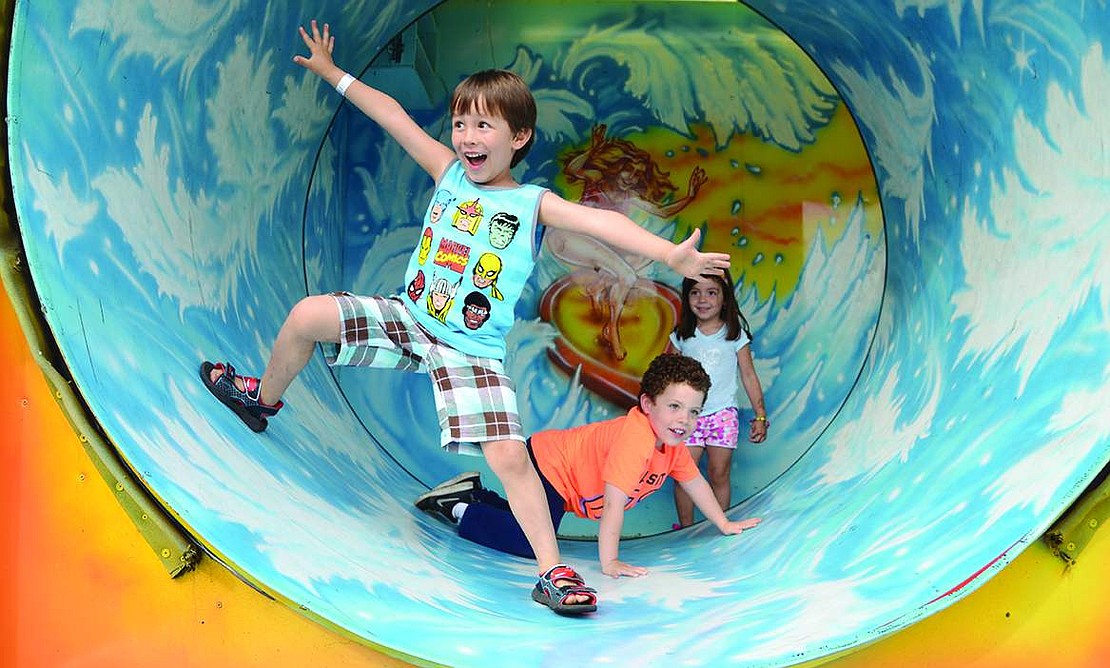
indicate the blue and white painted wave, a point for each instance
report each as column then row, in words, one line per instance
column 832, row 333
column 161, row 156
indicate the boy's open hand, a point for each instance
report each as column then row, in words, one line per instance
column 732, row 528
column 687, row 260
column 617, row 568
column 320, row 46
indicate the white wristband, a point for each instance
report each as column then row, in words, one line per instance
column 343, row 84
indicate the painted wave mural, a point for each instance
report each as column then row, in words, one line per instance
column 930, row 331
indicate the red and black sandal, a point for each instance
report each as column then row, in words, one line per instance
column 245, row 403
column 555, row 597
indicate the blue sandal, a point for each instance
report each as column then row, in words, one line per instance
column 246, row 404
column 554, row 597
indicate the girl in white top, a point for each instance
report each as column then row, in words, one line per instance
column 712, row 330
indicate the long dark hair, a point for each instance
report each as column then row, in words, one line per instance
column 730, row 310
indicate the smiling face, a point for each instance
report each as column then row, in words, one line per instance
column 673, row 413
column 706, row 299
column 485, row 144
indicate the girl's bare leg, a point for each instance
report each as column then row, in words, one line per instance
column 683, row 504
column 720, row 475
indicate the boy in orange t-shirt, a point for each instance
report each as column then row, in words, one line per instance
column 598, row 471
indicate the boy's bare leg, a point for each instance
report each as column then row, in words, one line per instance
column 313, row 320
column 683, row 504
column 524, row 491
column 719, row 473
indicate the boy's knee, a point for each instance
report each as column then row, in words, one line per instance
column 315, row 317
column 307, row 309
column 506, row 458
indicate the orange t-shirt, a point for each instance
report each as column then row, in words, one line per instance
column 579, row 461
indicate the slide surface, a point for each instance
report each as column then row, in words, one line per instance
column 911, row 195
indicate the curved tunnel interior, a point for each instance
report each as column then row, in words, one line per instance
column 780, row 199
column 912, row 196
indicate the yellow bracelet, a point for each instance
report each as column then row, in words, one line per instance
column 759, row 418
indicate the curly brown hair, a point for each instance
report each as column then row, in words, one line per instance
column 668, row 369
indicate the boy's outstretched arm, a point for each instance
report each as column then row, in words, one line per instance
column 702, row 495
column 622, row 232
column 432, row 155
column 609, row 536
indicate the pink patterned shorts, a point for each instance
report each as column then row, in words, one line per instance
column 720, row 429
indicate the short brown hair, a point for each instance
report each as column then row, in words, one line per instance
column 668, row 369
column 502, row 93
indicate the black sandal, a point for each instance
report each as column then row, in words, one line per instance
column 246, row 404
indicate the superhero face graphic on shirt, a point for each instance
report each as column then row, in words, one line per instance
column 468, row 216
column 416, row 286
column 476, row 310
column 486, row 271
column 439, row 205
column 425, row 245
column 441, row 297
column 502, row 229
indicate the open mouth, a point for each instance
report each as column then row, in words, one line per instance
column 475, row 160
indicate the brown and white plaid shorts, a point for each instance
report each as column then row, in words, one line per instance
column 475, row 399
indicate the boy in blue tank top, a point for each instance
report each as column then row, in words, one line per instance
column 463, row 280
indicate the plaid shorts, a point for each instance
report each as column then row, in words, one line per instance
column 475, row 400
column 720, row 429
